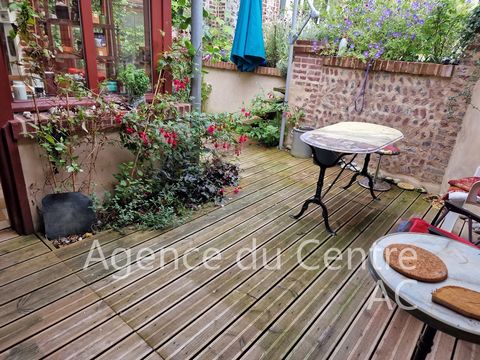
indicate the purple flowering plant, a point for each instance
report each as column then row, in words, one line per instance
column 411, row 30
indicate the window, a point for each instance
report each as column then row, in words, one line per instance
column 121, row 37
column 116, row 32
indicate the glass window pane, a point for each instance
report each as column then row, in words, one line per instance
column 121, row 36
column 58, row 29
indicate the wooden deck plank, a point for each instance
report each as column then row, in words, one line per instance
column 7, row 234
column 184, row 233
column 227, row 281
column 278, row 221
column 131, row 348
column 466, row 351
column 65, row 332
column 23, row 254
column 33, row 282
column 324, row 335
column 284, row 333
column 443, row 347
column 100, row 336
column 252, row 322
column 33, row 301
column 255, row 287
column 46, row 317
column 17, row 243
column 400, row 337
column 16, row 272
column 365, row 332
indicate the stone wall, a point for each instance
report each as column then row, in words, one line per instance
column 427, row 102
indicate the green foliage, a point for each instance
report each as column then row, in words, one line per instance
column 36, row 58
column 276, row 43
column 217, row 35
column 261, row 120
column 73, row 136
column 471, row 29
column 135, row 80
column 412, row 30
column 178, row 165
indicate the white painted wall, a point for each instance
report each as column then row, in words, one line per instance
column 231, row 90
column 465, row 157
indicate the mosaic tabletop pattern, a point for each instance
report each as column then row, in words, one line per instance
column 462, row 262
column 352, row 137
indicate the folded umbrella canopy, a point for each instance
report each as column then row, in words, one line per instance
column 248, row 50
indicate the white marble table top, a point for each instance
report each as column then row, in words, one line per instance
column 463, row 264
column 352, row 137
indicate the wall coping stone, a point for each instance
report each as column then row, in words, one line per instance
column 261, row 70
column 304, row 47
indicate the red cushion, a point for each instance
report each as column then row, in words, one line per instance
column 389, row 150
column 465, row 183
column 421, row 226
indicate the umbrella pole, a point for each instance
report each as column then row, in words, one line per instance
column 314, row 14
column 197, row 35
column 289, row 71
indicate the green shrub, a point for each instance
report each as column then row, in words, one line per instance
column 178, row 165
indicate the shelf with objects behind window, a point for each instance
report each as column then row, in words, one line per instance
column 121, row 35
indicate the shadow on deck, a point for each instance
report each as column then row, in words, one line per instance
column 275, row 307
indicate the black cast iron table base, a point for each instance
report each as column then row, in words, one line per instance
column 326, row 159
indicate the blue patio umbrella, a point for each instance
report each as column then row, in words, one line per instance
column 248, row 50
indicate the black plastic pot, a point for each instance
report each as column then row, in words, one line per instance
column 67, row 214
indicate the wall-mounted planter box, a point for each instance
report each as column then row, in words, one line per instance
column 392, row 66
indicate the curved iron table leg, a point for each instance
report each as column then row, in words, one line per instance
column 317, row 199
column 365, row 173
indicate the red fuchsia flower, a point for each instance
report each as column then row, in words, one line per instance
column 242, row 139
column 247, row 113
column 211, row 129
column 221, row 192
column 144, row 137
column 179, row 85
column 119, row 118
column 129, row 130
column 243, row 110
column 237, row 190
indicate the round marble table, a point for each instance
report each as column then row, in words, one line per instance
column 463, row 263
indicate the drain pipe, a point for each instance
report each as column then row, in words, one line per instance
column 197, row 35
column 314, row 14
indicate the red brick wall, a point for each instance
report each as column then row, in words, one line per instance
column 420, row 106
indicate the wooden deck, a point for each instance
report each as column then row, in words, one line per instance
column 51, row 306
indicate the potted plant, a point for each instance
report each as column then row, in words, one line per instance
column 71, row 138
column 299, row 149
column 136, row 83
